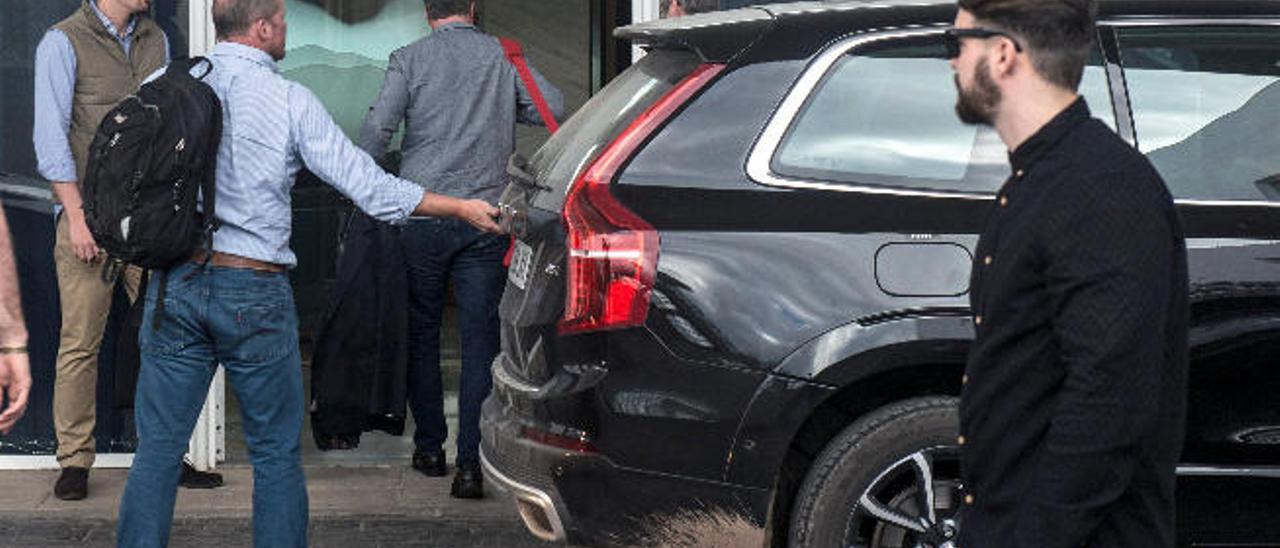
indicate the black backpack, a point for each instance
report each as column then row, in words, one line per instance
column 153, row 155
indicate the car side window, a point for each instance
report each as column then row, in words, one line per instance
column 884, row 115
column 1206, row 108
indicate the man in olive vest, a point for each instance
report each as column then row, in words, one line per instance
column 85, row 65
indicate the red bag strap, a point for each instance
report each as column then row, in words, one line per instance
column 516, row 56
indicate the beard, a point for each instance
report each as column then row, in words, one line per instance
column 277, row 51
column 977, row 104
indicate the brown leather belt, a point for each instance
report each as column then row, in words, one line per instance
column 235, row 261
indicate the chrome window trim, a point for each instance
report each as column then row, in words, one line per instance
column 1149, row 21
column 1230, row 471
column 770, row 139
column 38, row 193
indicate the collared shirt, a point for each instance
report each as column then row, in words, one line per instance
column 459, row 99
column 272, row 127
column 1072, row 411
column 55, row 84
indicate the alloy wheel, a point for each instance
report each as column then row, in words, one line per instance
column 914, row 503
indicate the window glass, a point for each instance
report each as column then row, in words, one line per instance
column 21, row 28
column 339, row 50
column 1206, row 106
column 887, row 117
column 605, row 116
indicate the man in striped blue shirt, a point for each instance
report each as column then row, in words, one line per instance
column 239, row 311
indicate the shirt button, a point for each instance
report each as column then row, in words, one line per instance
column 1004, row 201
column 977, row 320
column 960, row 440
column 964, row 379
column 987, row 260
column 968, row 499
column 1021, row 173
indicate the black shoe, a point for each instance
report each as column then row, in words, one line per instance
column 432, row 464
column 195, row 479
column 468, row 483
column 73, row 484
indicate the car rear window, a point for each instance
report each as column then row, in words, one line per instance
column 884, row 115
column 603, row 118
column 1206, row 108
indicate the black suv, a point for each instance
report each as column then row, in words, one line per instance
column 737, row 305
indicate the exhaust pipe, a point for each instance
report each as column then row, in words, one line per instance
column 534, row 505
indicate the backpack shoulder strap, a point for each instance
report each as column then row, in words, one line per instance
column 515, row 54
column 183, row 65
column 208, row 188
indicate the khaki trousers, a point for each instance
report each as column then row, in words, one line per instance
column 86, row 302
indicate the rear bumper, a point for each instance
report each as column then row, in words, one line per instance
column 527, row 470
column 535, row 506
column 587, row 498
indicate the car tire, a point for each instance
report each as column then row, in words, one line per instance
column 893, row 442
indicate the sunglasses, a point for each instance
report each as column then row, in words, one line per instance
column 952, row 36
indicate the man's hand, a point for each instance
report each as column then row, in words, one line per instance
column 82, row 242
column 15, row 366
column 15, row 382
column 479, row 214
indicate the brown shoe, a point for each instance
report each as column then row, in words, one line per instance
column 73, row 484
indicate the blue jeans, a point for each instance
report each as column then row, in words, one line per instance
column 436, row 250
column 244, row 320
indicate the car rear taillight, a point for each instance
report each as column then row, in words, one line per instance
column 613, row 253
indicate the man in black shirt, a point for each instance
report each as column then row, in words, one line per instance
column 1072, row 412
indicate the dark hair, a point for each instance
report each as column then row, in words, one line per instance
column 439, row 9
column 690, row 6
column 1059, row 34
column 234, row 17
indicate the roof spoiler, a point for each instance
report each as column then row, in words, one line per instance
column 715, row 36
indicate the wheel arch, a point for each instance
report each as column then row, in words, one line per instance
column 828, row 384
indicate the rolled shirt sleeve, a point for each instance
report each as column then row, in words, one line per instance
column 55, row 77
column 328, row 153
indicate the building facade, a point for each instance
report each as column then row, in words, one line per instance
column 337, row 48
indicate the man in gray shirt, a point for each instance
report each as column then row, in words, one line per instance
column 459, row 99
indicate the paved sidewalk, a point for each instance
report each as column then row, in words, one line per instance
column 368, row 507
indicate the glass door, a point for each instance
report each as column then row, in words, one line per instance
column 26, row 197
